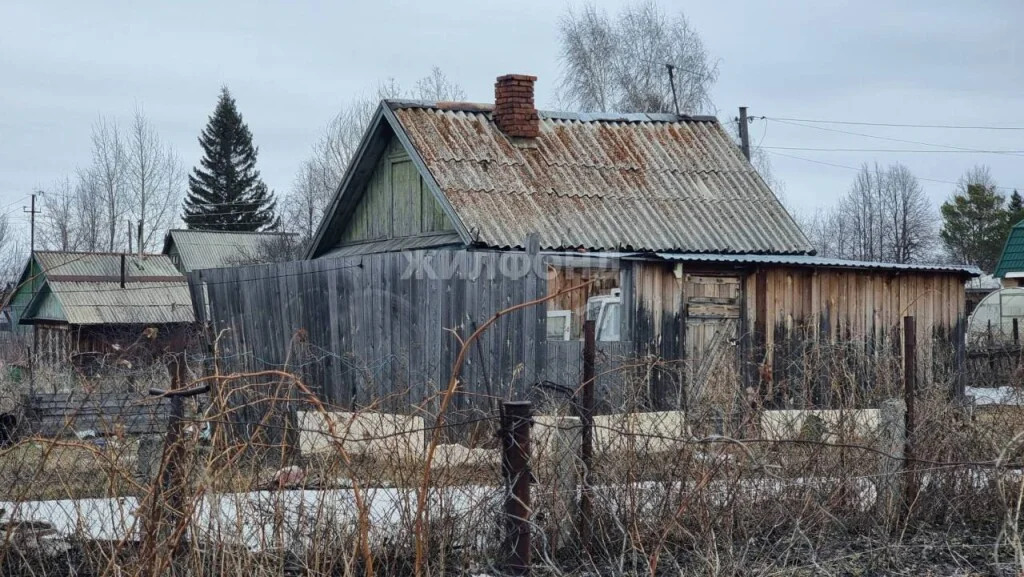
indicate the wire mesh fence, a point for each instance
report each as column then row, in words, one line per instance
column 724, row 486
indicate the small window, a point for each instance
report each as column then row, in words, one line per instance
column 559, row 325
column 609, row 323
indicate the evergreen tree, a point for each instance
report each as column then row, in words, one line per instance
column 974, row 226
column 1015, row 210
column 225, row 192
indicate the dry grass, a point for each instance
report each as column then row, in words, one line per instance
column 707, row 494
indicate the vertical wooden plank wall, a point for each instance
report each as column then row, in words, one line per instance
column 862, row 310
column 360, row 331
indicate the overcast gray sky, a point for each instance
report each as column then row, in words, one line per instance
column 292, row 64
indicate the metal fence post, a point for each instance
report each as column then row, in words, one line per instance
column 909, row 393
column 586, row 408
column 515, row 468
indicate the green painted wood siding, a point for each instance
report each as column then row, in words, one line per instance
column 30, row 282
column 396, row 203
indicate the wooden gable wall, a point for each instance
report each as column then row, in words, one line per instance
column 395, row 204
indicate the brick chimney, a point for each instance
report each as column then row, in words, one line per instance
column 513, row 106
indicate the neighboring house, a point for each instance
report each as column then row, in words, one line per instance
column 694, row 260
column 1010, row 268
column 88, row 307
column 191, row 250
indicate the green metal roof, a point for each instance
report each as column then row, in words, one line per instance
column 1012, row 259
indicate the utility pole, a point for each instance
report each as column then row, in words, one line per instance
column 32, row 212
column 744, row 133
column 129, row 237
column 672, row 82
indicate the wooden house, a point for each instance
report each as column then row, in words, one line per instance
column 661, row 212
column 99, row 309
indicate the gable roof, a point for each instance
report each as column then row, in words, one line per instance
column 600, row 182
column 1012, row 259
column 202, row 249
column 85, row 289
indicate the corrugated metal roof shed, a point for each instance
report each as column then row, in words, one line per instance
column 203, row 249
column 104, row 264
column 600, row 182
column 1012, row 259
column 98, row 303
column 817, row 261
column 85, row 289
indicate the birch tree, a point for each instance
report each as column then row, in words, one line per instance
column 108, row 174
column 885, row 216
column 621, row 64
column 155, row 180
column 89, row 210
column 57, row 227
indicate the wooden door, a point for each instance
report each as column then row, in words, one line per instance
column 712, row 312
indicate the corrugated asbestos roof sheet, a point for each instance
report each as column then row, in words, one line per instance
column 88, row 287
column 1012, row 259
column 600, row 182
column 104, row 264
column 97, row 303
column 202, row 249
column 817, row 261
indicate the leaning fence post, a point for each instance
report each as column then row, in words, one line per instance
column 515, row 468
column 891, row 425
column 909, row 393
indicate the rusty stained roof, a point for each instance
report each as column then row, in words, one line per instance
column 600, row 182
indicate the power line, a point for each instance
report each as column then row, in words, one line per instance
column 897, row 125
column 854, row 168
column 895, row 150
column 890, row 139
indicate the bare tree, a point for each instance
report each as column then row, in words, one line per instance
column 108, row 173
column 154, row 181
column 438, row 87
column 885, row 216
column 622, row 64
column 89, row 210
column 13, row 252
column 321, row 174
column 58, row 226
column 978, row 174
column 911, row 230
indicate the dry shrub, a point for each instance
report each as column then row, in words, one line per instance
column 771, row 481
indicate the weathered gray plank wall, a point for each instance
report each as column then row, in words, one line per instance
column 377, row 329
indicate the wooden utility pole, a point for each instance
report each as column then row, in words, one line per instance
column 744, row 133
column 32, row 212
column 672, row 81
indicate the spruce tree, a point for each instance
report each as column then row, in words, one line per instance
column 225, row 192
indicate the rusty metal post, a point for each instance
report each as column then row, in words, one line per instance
column 586, row 409
column 515, row 468
column 1016, row 332
column 909, row 393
